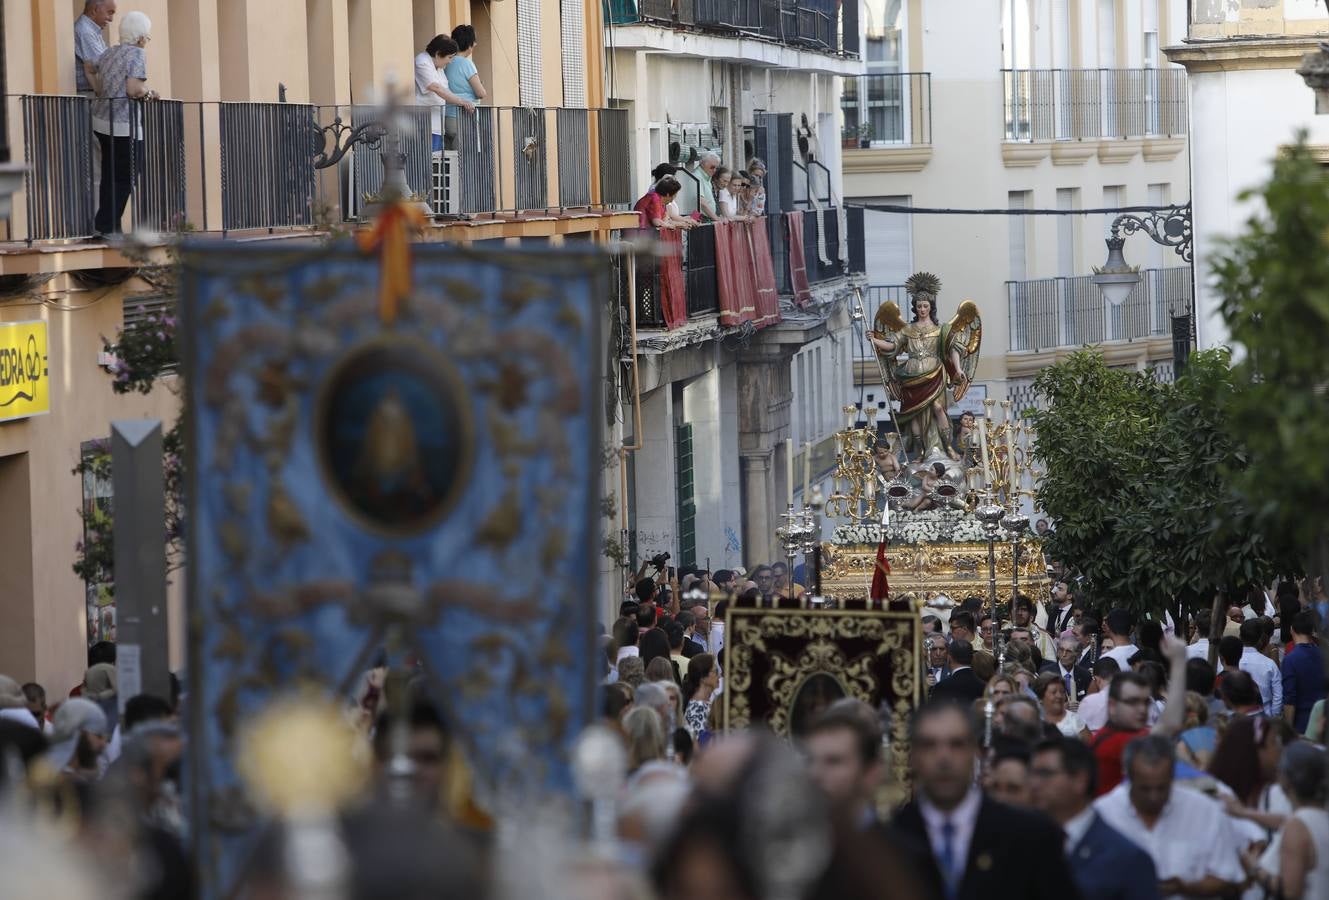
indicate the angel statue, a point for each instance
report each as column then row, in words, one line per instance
column 921, row 360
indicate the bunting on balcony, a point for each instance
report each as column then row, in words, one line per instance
column 733, row 274
column 673, row 292
column 798, row 267
column 768, row 296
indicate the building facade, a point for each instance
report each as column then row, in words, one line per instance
column 1247, row 102
column 720, row 409
column 1055, row 105
column 250, row 142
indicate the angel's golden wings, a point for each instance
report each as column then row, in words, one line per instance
column 888, row 318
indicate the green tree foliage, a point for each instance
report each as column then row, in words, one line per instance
column 1274, row 281
column 1135, row 477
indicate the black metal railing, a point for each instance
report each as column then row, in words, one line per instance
column 267, row 179
column 615, row 151
column 244, row 166
column 699, row 271
column 817, row 24
column 58, row 146
column 821, row 245
column 1074, row 104
column 894, row 108
column 65, row 157
column 1046, row 313
column 873, row 298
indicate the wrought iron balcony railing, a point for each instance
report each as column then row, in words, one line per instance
column 886, row 110
column 1074, row 104
column 1047, row 313
column 246, row 166
column 824, row 25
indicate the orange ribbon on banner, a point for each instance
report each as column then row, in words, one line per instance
column 391, row 236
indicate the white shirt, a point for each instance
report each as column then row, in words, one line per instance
column 963, row 818
column 426, row 73
column 1267, row 676
column 1198, row 650
column 1093, row 710
column 1061, row 619
column 626, row 651
column 728, row 209
column 1078, row 827
column 1070, row 725
column 1122, row 654
column 716, row 641
column 1193, row 837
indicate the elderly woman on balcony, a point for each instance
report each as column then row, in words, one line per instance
column 653, row 207
column 122, row 80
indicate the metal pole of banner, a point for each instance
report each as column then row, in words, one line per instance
column 142, row 632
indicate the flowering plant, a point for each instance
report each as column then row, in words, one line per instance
column 932, row 526
column 142, row 352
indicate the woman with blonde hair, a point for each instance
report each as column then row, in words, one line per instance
column 1195, row 744
column 1000, row 687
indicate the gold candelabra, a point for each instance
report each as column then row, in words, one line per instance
column 854, row 481
column 1006, row 459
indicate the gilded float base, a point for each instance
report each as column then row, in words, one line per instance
column 920, row 572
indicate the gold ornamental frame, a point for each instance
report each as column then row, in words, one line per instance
column 919, row 572
column 871, row 655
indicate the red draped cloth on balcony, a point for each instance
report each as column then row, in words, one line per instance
column 733, row 274
column 673, row 290
column 768, row 297
column 798, row 266
column 673, row 294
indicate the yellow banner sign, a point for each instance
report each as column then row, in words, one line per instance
column 25, row 382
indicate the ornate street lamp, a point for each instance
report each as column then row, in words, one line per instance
column 1170, row 227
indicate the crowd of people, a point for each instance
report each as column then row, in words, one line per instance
column 1075, row 752
column 717, row 193
column 1120, row 765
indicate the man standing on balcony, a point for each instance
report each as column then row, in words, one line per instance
column 90, row 43
column 706, row 199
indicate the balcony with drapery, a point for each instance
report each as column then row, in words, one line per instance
column 729, row 270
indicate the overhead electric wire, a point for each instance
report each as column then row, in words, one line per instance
column 947, row 211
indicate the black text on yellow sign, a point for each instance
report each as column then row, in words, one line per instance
column 25, row 383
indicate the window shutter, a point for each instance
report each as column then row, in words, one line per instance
column 529, row 57
column 574, row 53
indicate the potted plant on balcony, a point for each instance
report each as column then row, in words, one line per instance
column 848, row 137
column 865, row 135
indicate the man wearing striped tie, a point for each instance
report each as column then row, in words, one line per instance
column 1074, row 676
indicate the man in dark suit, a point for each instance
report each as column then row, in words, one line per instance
column 961, row 685
column 1074, row 676
column 843, row 750
column 1104, row 863
column 981, row 849
column 1061, row 608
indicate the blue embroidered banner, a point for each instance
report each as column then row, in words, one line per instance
column 437, row 476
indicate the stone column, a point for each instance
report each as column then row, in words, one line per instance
column 765, row 397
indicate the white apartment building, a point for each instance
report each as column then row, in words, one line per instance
column 1246, row 102
column 706, row 475
column 1021, row 104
